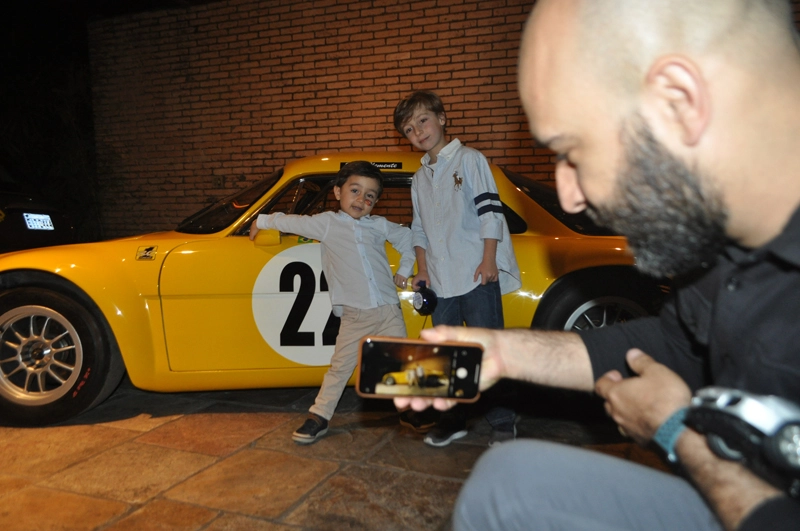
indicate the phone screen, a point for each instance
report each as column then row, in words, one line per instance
column 405, row 367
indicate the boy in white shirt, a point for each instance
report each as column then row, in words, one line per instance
column 461, row 240
column 359, row 278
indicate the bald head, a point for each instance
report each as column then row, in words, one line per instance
column 622, row 38
column 618, row 40
column 713, row 80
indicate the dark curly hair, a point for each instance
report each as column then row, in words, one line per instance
column 362, row 168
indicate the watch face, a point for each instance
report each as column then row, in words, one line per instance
column 418, row 300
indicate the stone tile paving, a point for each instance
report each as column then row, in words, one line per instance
column 224, row 461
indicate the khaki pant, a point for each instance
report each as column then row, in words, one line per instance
column 381, row 321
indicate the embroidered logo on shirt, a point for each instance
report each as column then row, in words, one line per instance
column 457, row 180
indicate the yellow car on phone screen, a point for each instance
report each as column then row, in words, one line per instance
column 203, row 307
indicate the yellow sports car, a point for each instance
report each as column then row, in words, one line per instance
column 415, row 377
column 203, row 307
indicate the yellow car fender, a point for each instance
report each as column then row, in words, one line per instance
column 126, row 292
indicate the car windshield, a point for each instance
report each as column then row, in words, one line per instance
column 313, row 194
column 221, row 214
column 547, row 198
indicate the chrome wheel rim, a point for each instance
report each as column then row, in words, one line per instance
column 40, row 355
column 602, row 312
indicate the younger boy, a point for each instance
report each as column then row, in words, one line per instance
column 359, row 277
column 461, row 240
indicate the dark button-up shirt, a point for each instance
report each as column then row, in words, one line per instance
column 733, row 324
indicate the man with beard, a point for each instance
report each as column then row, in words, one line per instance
column 675, row 123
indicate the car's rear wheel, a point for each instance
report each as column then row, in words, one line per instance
column 56, row 358
column 586, row 301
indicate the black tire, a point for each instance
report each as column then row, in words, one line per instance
column 389, row 380
column 57, row 359
column 588, row 300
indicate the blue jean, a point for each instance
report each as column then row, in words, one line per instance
column 482, row 308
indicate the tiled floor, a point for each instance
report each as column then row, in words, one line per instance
column 225, row 461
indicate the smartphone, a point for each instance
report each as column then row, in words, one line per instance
column 392, row 366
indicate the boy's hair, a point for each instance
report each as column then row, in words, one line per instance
column 362, row 168
column 421, row 98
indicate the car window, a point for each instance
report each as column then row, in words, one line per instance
column 224, row 212
column 547, row 198
column 314, row 194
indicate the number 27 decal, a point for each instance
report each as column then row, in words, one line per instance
column 291, row 335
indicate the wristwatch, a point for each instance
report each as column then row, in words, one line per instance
column 667, row 434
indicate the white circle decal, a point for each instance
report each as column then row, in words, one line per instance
column 289, row 307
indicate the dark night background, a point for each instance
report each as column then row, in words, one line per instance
column 46, row 131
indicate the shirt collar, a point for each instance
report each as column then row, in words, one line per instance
column 787, row 244
column 344, row 215
column 446, row 152
column 784, row 246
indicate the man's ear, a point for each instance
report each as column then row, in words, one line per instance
column 679, row 97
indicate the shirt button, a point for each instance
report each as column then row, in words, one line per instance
column 732, row 284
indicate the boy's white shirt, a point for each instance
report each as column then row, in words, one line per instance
column 448, row 226
column 353, row 254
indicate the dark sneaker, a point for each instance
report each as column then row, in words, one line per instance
column 445, row 434
column 419, row 421
column 499, row 436
column 312, row 429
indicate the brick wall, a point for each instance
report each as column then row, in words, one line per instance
column 226, row 92
column 193, row 103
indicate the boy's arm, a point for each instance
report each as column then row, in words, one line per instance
column 400, row 238
column 487, row 200
column 422, row 269
column 418, row 237
column 314, row 227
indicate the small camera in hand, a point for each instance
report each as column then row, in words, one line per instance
column 760, row 431
column 425, row 299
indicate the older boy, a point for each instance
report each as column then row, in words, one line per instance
column 460, row 237
column 359, row 277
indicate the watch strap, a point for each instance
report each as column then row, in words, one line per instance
column 667, row 434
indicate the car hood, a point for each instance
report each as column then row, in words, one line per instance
column 153, row 247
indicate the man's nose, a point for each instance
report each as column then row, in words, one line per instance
column 570, row 194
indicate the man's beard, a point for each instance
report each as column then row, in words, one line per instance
column 672, row 223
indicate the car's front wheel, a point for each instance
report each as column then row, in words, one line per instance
column 56, row 358
column 586, row 301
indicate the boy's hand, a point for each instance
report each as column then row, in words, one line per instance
column 419, row 277
column 253, row 230
column 400, row 281
column 488, row 272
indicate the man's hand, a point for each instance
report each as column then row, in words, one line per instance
column 491, row 366
column 542, row 357
column 400, row 281
column 639, row 405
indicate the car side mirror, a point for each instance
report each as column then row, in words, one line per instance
column 267, row 238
